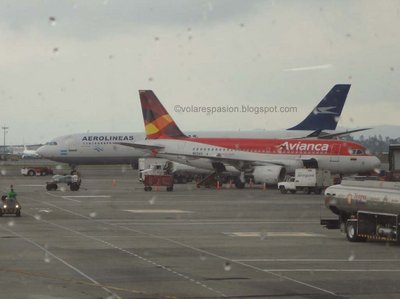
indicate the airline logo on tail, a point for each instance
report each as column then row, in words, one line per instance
column 325, row 110
column 158, row 123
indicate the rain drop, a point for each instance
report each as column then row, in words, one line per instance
column 52, row 21
column 63, row 189
column 351, row 257
column 337, row 118
column 59, row 167
column 227, row 266
column 47, row 257
column 156, row 38
column 93, row 214
column 3, row 172
column 11, row 223
column 152, row 200
column 38, row 217
column 151, row 79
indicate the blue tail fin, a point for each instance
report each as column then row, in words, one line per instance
column 326, row 115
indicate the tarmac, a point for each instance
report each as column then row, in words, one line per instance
column 111, row 239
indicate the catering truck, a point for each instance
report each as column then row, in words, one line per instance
column 307, row 180
column 364, row 209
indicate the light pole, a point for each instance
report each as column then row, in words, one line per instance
column 4, row 138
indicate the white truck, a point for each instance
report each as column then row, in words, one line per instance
column 307, row 180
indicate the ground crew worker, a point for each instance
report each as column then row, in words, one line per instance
column 12, row 194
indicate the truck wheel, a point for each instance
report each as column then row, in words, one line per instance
column 293, row 191
column 283, row 189
column 31, row 172
column 239, row 184
column 351, row 232
column 318, row 191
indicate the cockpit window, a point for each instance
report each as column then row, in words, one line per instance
column 357, row 152
column 51, row 143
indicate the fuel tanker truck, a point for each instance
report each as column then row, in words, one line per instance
column 365, row 209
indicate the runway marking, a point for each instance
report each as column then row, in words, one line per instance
column 202, row 251
column 333, row 270
column 271, row 234
column 71, row 199
column 88, row 196
column 157, row 211
column 124, row 250
column 29, row 185
column 318, row 260
column 60, row 260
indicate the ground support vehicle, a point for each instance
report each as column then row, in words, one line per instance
column 36, row 171
column 365, row 210
column 73, row 181
column 307, row 180
column 157, row 181
column 10, row 206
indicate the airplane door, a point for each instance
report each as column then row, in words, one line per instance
column 70, row 142
column 335, row 151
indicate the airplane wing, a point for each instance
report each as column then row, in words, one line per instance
column 149, row 147
column 322, row 135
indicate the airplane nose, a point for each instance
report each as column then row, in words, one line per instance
column 376, row 163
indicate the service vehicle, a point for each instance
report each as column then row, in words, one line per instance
column 10, row 206
column 164, row 180
column 307, row 180
column 364, row 209
column 36, row 171
column 72, row 180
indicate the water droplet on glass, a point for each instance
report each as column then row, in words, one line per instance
column 151, row 79
column 348, row 35
column 227, row 266
column 152, row 200
column 123, row 169
column 3, row 172
column 202, row 257
column 190, row 37
column 351, row 257
column 241, row 25
column 337, row 118
column 63, row 189
column 351, row 119
column 315, row 111
column 11, row 223
column 59, row 167
column 38, row 217
column 55, row 50
column 156, row 38
column 47, row 257
column 52, row 21
column 392, row 68
column 93, row 214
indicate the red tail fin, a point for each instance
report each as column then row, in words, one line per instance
column 158, row 123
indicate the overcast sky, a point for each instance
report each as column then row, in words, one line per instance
column 76, row 66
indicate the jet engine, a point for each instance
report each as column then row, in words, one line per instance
column 271, row 174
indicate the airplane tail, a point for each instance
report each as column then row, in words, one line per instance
column 158, row 123
column 325, row 115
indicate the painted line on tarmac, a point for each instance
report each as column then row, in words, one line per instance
column 157, row 211
column 271, row 234
column 88, row 196
column 29, row 185
column 318, row 260
column 108, row 244
column 277, row 275
column 332, row 270
column 60, row 260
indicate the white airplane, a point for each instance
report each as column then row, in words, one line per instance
column 29, row 153
column 101, row 148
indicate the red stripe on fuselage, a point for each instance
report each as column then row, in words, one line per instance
column 284, row 146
